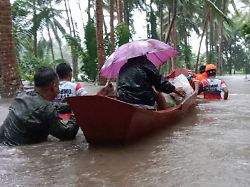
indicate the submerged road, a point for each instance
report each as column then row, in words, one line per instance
column 210, row 147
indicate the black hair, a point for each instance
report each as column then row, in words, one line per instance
column 202, row 69
column 211, row 72
column 44, row 76
column 142, row 58
column 63, row 70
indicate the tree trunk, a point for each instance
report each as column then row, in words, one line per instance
column 187, row 57
column 56, row 36
column 34, row 31
column 126, row 11
column 74, row 56
column 172, row 21
column 99, row 38
column 51, row 43
column 112, row 29
column 202, row 35
column 166, row 36
column 60, row 48
column 174, row 40
column 9, row 76
column 220, row 38
column 161, row 21
column 207, row 45
column 119, row 11
column 80, row 8
column 67, row 13
column 211, row 37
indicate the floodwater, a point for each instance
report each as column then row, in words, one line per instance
column 210, row 147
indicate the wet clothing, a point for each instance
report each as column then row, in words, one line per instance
column 212, row 88
column 67, row 88
column 31, row 119
column 136, row 80
column 200, row 77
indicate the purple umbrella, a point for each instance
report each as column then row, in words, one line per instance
column 156, row 51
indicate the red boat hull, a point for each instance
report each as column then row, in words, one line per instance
column 103, row 119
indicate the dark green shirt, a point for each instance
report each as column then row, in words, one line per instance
column 31, row 119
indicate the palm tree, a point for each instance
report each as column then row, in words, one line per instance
column 119, row 11
column 112, row 29
column 214, row 14
column 99, row 37
column 9, row 76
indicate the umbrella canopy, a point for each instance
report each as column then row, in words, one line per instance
column 156, row 51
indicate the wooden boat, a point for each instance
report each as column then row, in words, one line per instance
column 105, row 119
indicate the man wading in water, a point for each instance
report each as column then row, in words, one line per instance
column 32, row 116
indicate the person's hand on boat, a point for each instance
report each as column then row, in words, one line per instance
column 107, row 90
column 180, row 91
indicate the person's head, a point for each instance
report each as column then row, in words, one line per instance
column 138, row 58
column 142, row 59
column 202, row 68
column 46, row 82
column 64, row 71
column 211, row 70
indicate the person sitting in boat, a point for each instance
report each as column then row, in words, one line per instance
column 212, row 86
column 139, row 82
column 32, row 116
column 66, row 87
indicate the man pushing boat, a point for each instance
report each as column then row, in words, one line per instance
column 32, row 116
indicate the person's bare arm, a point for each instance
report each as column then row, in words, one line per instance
column 225, row 90
column 179, row 91
column 108, row 90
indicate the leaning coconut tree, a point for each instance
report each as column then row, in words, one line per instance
column 9, row 76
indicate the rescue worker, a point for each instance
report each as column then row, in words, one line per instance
column 202, row 73
column 139, row 82
column 32, row 116
column 212, row 86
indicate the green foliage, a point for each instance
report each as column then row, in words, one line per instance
column 28, row 18
column 19, row 17
column 246, row 31
column 19, row 9
column 107, row 45
column 29, row 63
column 123, row 34
column 212, row 55
column 75, row 44
column 236, row 58
column 217, row 12
column 186, row 52
column 153, row 25
column 90, row 39
column 89, row 57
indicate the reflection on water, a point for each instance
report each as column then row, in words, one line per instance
column 209, row 147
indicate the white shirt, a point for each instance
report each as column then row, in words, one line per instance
column 67, row 88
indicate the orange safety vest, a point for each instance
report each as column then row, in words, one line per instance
column 201, row 77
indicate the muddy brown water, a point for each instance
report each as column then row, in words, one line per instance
column 209, row 147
